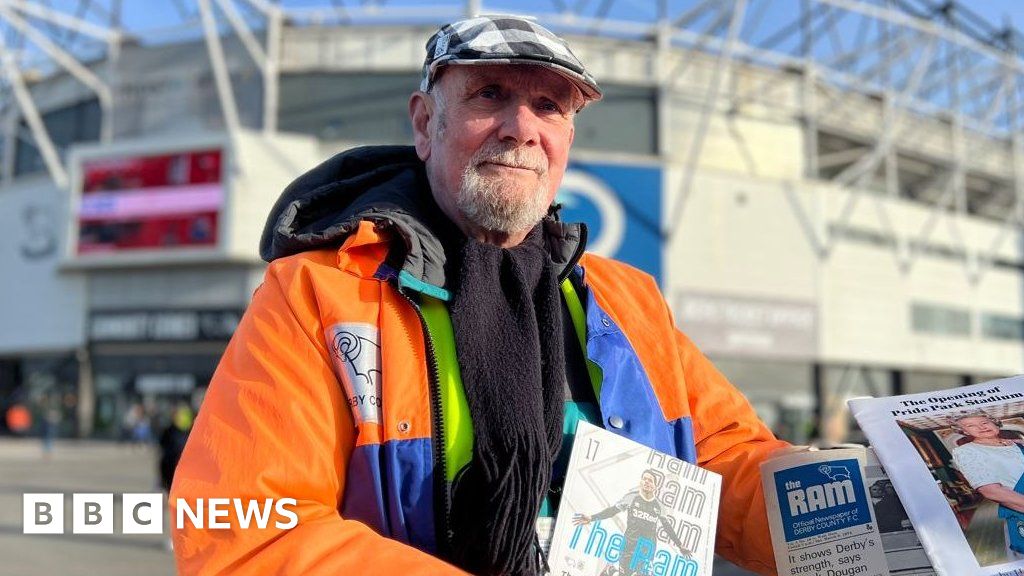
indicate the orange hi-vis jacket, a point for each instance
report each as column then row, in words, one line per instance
column 328, row 394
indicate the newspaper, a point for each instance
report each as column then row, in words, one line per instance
column 820, row 515
column 628, row 509
column 956, row 459
column 903, row 550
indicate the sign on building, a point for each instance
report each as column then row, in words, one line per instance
column 621, row 205
column 157, row 201
column 742, row 326
column 164, row 326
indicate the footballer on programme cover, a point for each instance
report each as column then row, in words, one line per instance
column 628, row 510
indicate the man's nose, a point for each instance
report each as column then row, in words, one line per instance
column 519, row 125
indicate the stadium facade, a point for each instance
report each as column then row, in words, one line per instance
column 828, row 191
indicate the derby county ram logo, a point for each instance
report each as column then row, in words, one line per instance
column 835, row 473
column 355, row 351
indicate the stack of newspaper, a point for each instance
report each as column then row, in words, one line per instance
column 951, row 504
column 956, row 464
column 835, row 513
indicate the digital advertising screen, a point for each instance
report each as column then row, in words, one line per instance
column 159, row 202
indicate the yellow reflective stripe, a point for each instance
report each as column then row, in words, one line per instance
column 579, row 321
column 457, row 421
column 458, row 424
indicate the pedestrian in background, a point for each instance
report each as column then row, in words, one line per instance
column 172, row 443
column 142, row 432
column 52, row 417
column 128, row 422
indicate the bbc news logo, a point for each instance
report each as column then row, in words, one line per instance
column 93, row 514
column 143, row 513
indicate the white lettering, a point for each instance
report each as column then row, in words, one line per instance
column 252, row 509
column 282, row 511
column 218, row 508
column 820, row 497
column 196, row 516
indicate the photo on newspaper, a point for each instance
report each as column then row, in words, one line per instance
column 627, row 509
column 956, row 461
column 903, row 550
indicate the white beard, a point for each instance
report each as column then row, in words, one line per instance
column 498, row 204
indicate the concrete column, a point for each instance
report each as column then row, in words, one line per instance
column 86, row 410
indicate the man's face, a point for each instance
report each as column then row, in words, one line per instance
column 648, row 485
column 979, row 427
column 497, row 143
column 877, row 490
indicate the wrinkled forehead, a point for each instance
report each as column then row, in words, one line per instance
column 533, row 78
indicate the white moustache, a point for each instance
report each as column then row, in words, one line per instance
column 513, row 157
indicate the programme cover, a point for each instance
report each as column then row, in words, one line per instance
column 628, row 509
column 956, row 460
column 820, row 514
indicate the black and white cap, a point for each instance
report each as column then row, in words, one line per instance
column 505, row 40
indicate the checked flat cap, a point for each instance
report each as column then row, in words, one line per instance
column 505, row 40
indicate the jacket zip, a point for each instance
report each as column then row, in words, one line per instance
column 442, row 496
column 581, row 247
column 442, row 499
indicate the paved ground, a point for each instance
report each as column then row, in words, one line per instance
column 88, row 467
column 76, row 467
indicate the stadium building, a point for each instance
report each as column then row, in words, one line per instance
column 829, row 192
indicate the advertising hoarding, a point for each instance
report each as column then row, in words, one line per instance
column 146, row 203
column 156, row 201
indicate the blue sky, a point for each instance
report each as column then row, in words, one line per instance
column 150, row 13
column 997, row 10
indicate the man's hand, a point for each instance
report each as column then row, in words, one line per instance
column 580, row 519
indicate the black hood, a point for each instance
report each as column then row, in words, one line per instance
column 387, row 185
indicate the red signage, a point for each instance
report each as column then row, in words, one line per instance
column 164, row 201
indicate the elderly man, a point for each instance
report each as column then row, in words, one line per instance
column 428, row 335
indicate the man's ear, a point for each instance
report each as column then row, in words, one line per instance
column 421, row 110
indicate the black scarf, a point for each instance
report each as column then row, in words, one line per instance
column 506, row 316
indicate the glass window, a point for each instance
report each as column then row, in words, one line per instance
column 1002, row 327
column 76, row 123
column 916, row 382
column 781, row 393
column 150, row 381
column 371, row 108
column 932, row 319
column 49, row 388
column 625, row 120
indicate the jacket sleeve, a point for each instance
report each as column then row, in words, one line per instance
column 275, row 425
column 732, row 441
